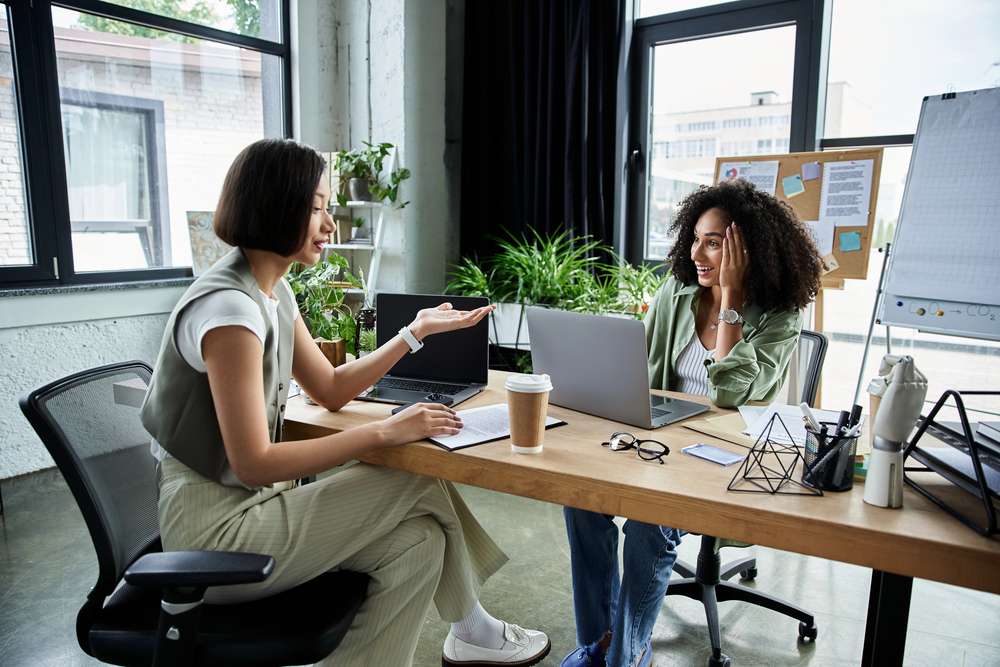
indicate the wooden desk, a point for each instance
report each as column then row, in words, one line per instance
column 917, row 541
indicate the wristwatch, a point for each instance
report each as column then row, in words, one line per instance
column 410, row 339
column 730, row 316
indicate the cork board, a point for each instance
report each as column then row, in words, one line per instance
column 851, row 264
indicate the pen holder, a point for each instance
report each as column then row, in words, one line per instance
column 829, row 460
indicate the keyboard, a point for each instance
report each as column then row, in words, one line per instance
column 416, row 385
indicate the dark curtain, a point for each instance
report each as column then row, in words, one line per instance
column 539, row 99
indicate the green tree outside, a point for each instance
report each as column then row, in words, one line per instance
column 246, row 15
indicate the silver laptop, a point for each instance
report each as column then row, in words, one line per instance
column 598, row 366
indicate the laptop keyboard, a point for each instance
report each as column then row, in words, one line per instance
column 414, row 385
column 660, row 413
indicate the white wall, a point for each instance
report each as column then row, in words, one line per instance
column 376, row 71
column 361, row 70
column 36, row 355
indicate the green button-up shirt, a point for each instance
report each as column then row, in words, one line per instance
column 754, row 369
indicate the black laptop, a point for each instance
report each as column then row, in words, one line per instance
column 453, row 364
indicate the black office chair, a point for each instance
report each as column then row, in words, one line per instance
column 708, row 582
column 146, row 606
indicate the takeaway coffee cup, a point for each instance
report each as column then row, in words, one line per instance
column 527, row 405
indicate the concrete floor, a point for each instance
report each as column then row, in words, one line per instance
column 47, row 565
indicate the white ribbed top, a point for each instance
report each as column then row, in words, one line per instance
column 692, row 376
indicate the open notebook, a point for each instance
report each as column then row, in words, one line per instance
column 484, row 424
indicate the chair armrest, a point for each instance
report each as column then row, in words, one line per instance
column 199, row 569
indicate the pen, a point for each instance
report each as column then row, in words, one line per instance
column 855, row 416
column 809, row 417
column 842, row 422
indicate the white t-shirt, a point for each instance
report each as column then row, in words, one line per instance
column 224, row 308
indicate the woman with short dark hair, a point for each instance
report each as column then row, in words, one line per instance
column 215, row 408
column 724, row 324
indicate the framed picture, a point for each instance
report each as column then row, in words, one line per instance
column 206, row 247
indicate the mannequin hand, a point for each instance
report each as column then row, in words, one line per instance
column 419, row 421
column 430, row 321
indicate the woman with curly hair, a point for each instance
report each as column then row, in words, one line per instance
column 724, row 325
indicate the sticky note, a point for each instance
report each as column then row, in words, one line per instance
column 830, row 263
column 792, row 185
column 810, row 171
column 850, row 241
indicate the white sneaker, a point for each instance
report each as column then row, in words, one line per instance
column 522, row 647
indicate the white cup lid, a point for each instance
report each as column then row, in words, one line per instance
column 529, row 384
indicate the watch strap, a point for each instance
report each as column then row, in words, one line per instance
column 410, row 339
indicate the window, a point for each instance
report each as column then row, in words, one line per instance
column 152, row 108
column 654, row 7
column 874, row 98
column 15, row 236
column 109, row 144
column 254, row 18
column 746, row 64
column 923, row 49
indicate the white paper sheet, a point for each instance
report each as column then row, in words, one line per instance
column 484, row 424
column 822, row 235
column 764, row 175
column 846, row 192
column 948, row 242
column 791, row 415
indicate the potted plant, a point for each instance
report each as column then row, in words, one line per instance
column 361, row 174
column 367, row 342
column 360, row 231
column 319, row 292
column 555, row 271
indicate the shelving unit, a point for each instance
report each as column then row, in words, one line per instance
column 375, row 246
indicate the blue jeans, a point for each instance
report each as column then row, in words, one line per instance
column 628, row 604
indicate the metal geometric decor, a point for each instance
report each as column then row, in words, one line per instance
column 770, row 466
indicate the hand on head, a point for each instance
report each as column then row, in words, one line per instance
column 735, row 266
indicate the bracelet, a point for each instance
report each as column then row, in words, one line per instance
column 410, row 339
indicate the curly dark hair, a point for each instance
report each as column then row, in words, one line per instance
column 785, row 266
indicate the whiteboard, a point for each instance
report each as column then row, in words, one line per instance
column 944, row 265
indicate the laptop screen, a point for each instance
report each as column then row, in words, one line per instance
column 455, row 356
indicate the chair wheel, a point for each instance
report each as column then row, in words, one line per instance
column 807, row 633
column 722, row 661
column 748, row 574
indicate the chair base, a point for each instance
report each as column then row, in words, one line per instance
column 707, row 584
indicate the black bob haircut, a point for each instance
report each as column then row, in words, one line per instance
column 785, row 266
column 267, row 196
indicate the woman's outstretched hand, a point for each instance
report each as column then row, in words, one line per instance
column 430, row 321
column 419, row 421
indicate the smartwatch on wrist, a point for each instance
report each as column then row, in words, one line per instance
column 730, row 316
column 410, row 339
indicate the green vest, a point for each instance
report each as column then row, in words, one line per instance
column 179, row 412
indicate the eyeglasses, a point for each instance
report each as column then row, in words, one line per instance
column 647, row 450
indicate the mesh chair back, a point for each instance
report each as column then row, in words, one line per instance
column 812, row 352
column 90, row 424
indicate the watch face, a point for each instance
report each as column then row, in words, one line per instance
column 729, row 316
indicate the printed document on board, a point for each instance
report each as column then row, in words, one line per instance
column 764, row 175
column 846, row 193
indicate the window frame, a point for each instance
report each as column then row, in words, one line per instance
column 157, row 244
column 811, row 21
column 38, row 103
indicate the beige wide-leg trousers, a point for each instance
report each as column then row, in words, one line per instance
column 414, row 536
